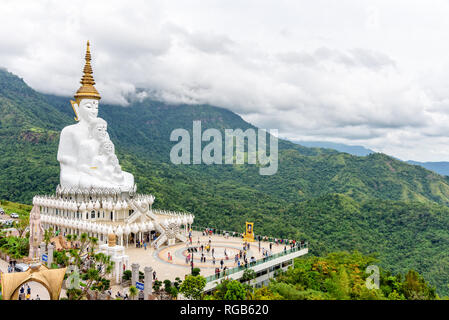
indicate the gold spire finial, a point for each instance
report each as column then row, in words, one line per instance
column 87, row 89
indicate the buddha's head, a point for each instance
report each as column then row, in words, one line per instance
column 98, row 129
column 87, row 110
column 107, row 148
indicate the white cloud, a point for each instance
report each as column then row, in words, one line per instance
column 345, row 71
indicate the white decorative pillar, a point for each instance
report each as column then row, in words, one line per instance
column 148, row 287
column 41, row 250
column 134, row 273
column 50, row 248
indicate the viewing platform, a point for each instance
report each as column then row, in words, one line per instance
column 178, row 265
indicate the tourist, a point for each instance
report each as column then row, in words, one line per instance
column 145, row 245
column 221, row 263
column 213, row 261
column 37, row 297
column 154, row 275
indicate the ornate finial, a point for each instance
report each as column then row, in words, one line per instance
column 87, row 89
column 112, row 239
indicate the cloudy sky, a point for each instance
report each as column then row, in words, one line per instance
column 371, row 73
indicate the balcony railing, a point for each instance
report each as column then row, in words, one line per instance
column 228, row 272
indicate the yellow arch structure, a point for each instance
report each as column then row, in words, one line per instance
column 51, row 279
column 249, row 232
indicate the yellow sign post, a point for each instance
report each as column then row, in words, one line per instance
column 249, row 232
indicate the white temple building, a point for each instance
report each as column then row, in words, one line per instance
column 94, row 195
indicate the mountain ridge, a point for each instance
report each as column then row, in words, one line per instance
column 440, row 167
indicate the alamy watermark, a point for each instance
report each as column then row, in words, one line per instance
column 372, row 281
column 212, row 153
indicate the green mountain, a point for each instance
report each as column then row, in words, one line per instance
column 334, row 200
column 341, row 147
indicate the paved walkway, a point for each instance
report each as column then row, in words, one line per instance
column 177, row 267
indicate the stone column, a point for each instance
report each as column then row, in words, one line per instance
column 41, row 250
column 50, row 248
column 148, row 289
column 134, row 273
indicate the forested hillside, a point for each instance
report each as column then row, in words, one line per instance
column 335, row 200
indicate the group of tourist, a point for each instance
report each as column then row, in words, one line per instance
column 211, row 231
column 27, row 295
column 120, row 295
column 141, row 244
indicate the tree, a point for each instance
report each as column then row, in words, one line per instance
column 193, row 286
column 93, row 268
column 196, row 271
column 416, row 288
column 248, row 275
column 22, row 224
column 235, row 291
column 133, row 292
column 48, row 234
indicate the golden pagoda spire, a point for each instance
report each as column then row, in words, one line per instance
column 87, row 89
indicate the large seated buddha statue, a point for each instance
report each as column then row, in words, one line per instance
column 86, row 154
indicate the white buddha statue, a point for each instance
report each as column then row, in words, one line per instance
column 85, row 147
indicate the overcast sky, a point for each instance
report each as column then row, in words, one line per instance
column 372, row 73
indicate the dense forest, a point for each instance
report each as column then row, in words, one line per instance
column 336, row 201
column 336, row 276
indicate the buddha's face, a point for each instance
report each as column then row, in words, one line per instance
column 100, row 131
column 88, row 109
column 108, row 147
